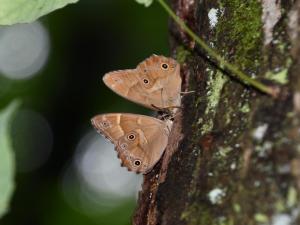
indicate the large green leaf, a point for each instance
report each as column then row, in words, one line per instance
column 25, row 11
column 7, row 160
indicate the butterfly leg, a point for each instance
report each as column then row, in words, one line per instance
column 186, row 92
column 166, row 108
column 163, row 115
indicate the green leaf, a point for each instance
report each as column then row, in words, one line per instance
column 26, row 11
column 145, row 2
column 7, row 160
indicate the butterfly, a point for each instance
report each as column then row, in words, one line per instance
column 155, row 83
column 141, row 140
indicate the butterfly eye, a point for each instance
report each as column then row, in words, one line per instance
column 165, row 66
column 131, row 137
column 137, row 162
column 146, row 81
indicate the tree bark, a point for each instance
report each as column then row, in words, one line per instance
column 234, row 153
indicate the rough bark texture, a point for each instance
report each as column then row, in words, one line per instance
column 234, row 153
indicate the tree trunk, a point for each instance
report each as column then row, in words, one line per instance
column 234, row 153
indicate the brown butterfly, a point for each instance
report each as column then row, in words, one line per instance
column 139, row 140
column 155, row 83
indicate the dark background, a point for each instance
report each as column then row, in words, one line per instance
column 87, row 39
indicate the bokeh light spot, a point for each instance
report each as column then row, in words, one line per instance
column 32, row 140
column 103, row 182
column 24, row 49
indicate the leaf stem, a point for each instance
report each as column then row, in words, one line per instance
column 223, row 64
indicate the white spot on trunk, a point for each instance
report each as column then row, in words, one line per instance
column 281, row 219
column 215, row 196
column 270, row 16
column 213, row 18
column 233, row 166
column 259, row 132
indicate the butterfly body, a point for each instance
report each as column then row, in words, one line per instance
column 139, row 140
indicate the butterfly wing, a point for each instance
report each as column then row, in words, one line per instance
column 126, row 84
column 155, row 83
column 139, row 140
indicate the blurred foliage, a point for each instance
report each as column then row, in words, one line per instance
column 23, row 11
column 7, row 161
column 87, row 39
